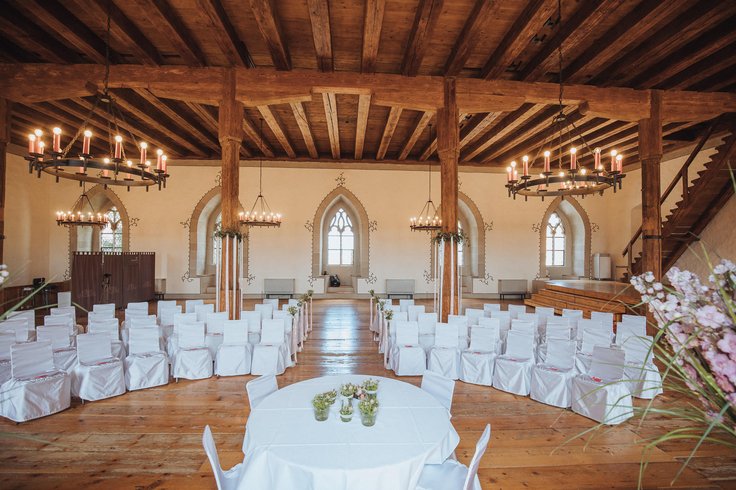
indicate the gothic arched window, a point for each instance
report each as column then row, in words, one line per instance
column 555, row 241
column 340, row 239
column 111, row 236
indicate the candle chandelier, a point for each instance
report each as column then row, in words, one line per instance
column 260, row 213
column 113, row 169
column 576, row 180
column 91, row 218
column 429, row 219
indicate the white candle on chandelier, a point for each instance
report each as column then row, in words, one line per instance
column 118, row 154
column 144, row 151
column 57, row 140
column 163, row 162
column 129, row 163
column 619, row 163
column 508, row 174
column 31, row 143
column 573, row 158
column 546, row 161
column 106, row 161
column 597, row 159
column 86, row 142
column 525, row 162
column 159, row 154
column 38, row 134
column 613, row 160
column 41, row 148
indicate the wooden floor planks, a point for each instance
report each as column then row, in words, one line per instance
column 151, row 439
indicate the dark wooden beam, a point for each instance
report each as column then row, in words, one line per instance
column 225, row 35
column 5, row 112
column 473, row 30
column 475, row 126
column 329, row 100
column 428, row 12
column 257, row 138
column 504, row 126
column 301, row 120
column 364, row 107
column 178, row 34
column 650, row 151
column 372, row 25
column 277, row 129
column 531, row 19
column 388, row 132
column 419, row 126
column 269, row 24
column 16, row 25
column 319, row 16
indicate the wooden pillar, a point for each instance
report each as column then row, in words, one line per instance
column 230, row 122
column 650, row 153
column 4, row 139
column 448, row 149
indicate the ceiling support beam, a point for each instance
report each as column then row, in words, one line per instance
column 330, row 103
column 178, row 34
column 372, row 25
column 650, row 153
column 388, row 132
column 126, row 30
column 257, row 138
column 301, row 120
column 428, row 12
column 421, row 124
column 472, row 32
column 364, row 107
column 319, row 16
column 277, row 129
column 270, row 26
column 225, row 35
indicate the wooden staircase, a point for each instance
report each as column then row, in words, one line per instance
column 701, row 200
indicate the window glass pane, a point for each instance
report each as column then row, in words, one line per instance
column 347, row 242
column 333, row 242
column 347, row 257
column 333, row 257
column 549, row 258
column 559, row 243
column 560, row 258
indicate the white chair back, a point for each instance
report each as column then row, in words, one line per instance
column 191, row 335
column 426, row 323
column 109, row 327
column 259, row 388
column 271, row 301
column 182, row 318
column 557, row 331
column 191, row 304
column 254, row 320
column 523, row 326
column 277, row 314
column 608, row 363
column 474, row 314
column 293, row 302
column 544, row 311
column 500, row 314
column 31, row 359
column 407, row 333
column 64, row 298
column 515, row 310
column 203, row 310
column 106, row 309
column 484, row 339
column 139, row 306
column 167, row 314
column 559, row 320
column 520, row 345
column 58, row 335
column 593, row 338
column 235, row 332
column 462, row 323
column 266, row 311
column 585, row 325
column 638, row 350
column 93, row 347
column 635, row 320
column 404, row 304
column 20, row 328
column 490, row 322
column 272, row 331
column 65, row 310
column 413, row 312
column 626, row 330
column 439, row 387
column 97, row 316
column 163, row 304
column 400, row 315
column 480, row 449
column 148, row 321
column 130, row 314
column 143, row 341
column 215, row 322
column 561, row 353
column 489, row 308
column 6, row 340
column 211, row 450
column 605, row 318
column 65, row 319
column 27, row 315
column 446, row 335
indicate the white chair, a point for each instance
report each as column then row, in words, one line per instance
column 137, row 315
column 462, row 328
column 444, row 357
column 164, row 304
column 172, row 342
column 635, row 320
column 65, row 355
column 426, row 323
column 214, row 328
column 259, row 388
column 271, row 301
column 7, row 339
column 65, row 310
column 111, row 327
column 97, row 375
column 266, row 311
column 605, row 318
column 600, row 395
column 640, row 373
column 105, row 309
column 254, row 325
column 99, row 316
column 36, row 388
column 65, row 320
column 572, row 313
column 21, row 329
column 584, row 324
column 191, row 304
column 624, row 330
column 440, row 387
column 530, row 318
column 203, row 310
column 404, row 304
column 489, row 308
column 513, row 369
column 226, row 480
column 234, row 354
column 524, row 327
column 193, row 359
column 544, row 311
column 64, row 299
column 140, row 306
column 408, row 357
column 476, row 363
column 592, row 338
column 504, row 318
column 551, row 381
column 494, row 323
column 454, row 475
column 515, row 310
column 413, row 312
column 474, row 314
column 146, row 366
column 269, row 356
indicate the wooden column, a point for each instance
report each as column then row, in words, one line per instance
column 448, row 144
column 230, row 135
column 4, row 139
column 650, row 153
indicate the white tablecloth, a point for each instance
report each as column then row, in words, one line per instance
column 286, row 448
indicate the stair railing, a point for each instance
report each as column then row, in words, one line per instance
column 682, row 178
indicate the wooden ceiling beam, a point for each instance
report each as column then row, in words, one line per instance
column 372, row 25
column 518, row 37
column 269, row 24
column 329, row 100
column 211, row 122
column 419, row 126
column 364, row 107
column 11, row 52
column 719, row 78
column 505, row 125
column 476, row 126
column 431, row 148
column 473, row 30
column 388, row 131
column 225, row 35
column 277, row 129
column 257, row 138
column 180, row 37
column 58, row 117
column 319, row 16
column 573, row 31
column 127, row 31
column 35, row 39
column 428, row 12
column 301, row 120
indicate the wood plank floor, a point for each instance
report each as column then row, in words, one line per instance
column 151, row 439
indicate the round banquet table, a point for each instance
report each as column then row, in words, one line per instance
column 286, row 448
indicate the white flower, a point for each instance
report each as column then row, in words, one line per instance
column 4, row 273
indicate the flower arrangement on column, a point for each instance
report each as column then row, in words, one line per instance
column 440, row 241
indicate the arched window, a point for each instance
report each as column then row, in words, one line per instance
column 340, row 240
column 555, row 241
column 111, row 236
column 459, row 246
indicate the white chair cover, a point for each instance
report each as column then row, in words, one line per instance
column 551, row 381
column 641, row 374
column 97, row 375
column 474, row 314
column 146, row 366
column 6, row 340
column 254, row 325
column 64, row 298
column 544, row 311
column 266, row 311
column 226, row 480
column 165, row 304
column 408, row 357
column 36, row 388
column 140, row 306
column 202, row 311
column 463, row 323
column 440, row 387
column 65, row 355
column 489, row 308
column 234, row 355
column 635, row 319
column 606, row 319
column 105, row 309
column 444, row 357
column 271, row 301
column 627, row 329
column 453, row 474
column 515, row 310
column 600, row 395
column 271, row 354
column 65, row 310
column 413, row 312
column 405, row 303
column 259, row 388
column 214, row 326
column 22, row 331
column 191, row 304
column 426, row 323
column 513, row 369
column 193, row 359
column 476, row 363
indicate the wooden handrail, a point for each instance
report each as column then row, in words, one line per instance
column 682, row 174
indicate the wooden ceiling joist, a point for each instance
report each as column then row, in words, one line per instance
column 388, row 132
column 232, row 47
column 695, row 77
column 364, row 106
column 372, row 25
column 428, row 12
column 301, row 120
column 178, row 34
column 476, row 126
column 478, row 20
column 257, row 138
column 421, row 124
column 277, row 129
column 498, row 130
column 329, row 100
column 319, row 16
column 17, row 25
column 269, row 24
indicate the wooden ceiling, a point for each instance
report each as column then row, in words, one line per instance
column 670, row 44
